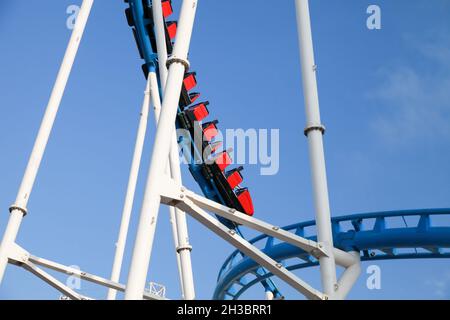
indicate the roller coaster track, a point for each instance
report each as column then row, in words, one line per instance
column 411, row 234
column 218, row 183
column 206, row 164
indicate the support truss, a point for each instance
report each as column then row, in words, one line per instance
column 175, row 195
column 22, row 258
column 178, row 196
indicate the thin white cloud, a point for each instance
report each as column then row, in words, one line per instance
column 441, row 286
column 414, row 100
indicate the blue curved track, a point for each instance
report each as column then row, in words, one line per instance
column 411, row 234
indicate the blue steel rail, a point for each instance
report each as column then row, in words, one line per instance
column 409, row 234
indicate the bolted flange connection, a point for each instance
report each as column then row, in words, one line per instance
column 19, row 208
column 313, row 127
column 182, row 248
column 174, row 59
column 182, row 190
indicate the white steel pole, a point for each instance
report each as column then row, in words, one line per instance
column 184, row 248
column 19, row 208
column 178, row 217
column 156, row 102
column 160, row 41
column 314, row 131
column 173, row 224
column 131, row 189
column 160, row 154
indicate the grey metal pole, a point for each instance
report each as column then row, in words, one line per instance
column 131, row 189
column 19, row 209
column 178, row 217
column 314, row 131
column 160, row 155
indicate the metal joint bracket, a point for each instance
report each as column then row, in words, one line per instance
column 182, row 248
column 172, row 193
column 325, row 250
column 19, row 208
column 317, row 253
column 313, row 127
column 174, row 59
column 17, row 255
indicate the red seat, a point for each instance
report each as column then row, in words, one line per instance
column 210, row 130
column 167, row 8
column 234, row 177
column 223, row 161
column 211, row 148
column 245, row 200
column 194, row 96
column 186, row 99
column 214, row 146
column 172, row 29
column 190, row 81
column 198, row 112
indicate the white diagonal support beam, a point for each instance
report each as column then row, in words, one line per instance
column 251, row 251
column 173, row 193
column 58, row 285
column 84, row 275
column 19, row 209
column 309, row 246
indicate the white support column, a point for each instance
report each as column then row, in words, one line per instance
column 156, row 102
column 131, row 189
column 160, row 154
column 19, row 208
column 184, row 248
column 314, row 131
column 178, row 217
column 160, row 41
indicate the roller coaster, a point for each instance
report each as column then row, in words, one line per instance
column 163, row 45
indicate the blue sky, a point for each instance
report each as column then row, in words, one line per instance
column 384, row 99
